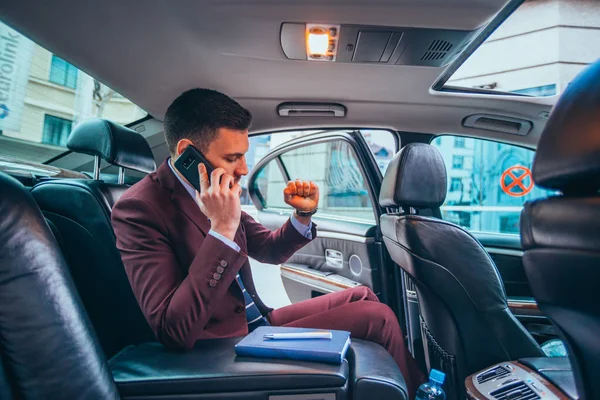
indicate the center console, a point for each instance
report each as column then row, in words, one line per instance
column 212, row 371
column 527, row 379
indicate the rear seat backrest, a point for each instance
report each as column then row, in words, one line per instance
column 48, row 349
column 80, row 210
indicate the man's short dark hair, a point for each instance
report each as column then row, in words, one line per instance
column 197, row 114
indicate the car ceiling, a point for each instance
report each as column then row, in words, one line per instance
column 151, row 51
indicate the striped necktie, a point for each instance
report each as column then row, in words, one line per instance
column 253, row 315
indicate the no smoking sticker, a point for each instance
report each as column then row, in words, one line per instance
column 516, row 181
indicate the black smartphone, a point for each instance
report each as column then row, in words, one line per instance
column 187, row 165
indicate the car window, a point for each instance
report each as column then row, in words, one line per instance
column 488, row 183
column 333, row 166
column 382, row 144
column 43, row 97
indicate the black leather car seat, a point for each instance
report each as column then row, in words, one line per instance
column 80, row 211
column 465, row 319
column 48, row 349
column 561, row 234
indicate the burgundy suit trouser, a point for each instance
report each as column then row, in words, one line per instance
column 358, row 311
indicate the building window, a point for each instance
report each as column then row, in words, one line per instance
column 539, row 91
column 459, row 142
column 458, row 162
column 62, row 73
column 56, row 130
column 455, row 184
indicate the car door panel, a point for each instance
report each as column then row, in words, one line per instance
column 317, row 265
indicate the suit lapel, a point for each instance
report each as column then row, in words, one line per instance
column 181, row 198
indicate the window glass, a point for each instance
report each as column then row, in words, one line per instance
column 333, row 166
column 488, row 183
column 381, row 143
column 43, row 96
column 513, row 59
column 383, row 146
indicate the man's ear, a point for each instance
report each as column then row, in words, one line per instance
column 182, row 145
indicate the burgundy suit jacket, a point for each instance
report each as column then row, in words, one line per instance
column 184, row 278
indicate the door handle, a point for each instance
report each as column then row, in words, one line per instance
column 334, row 258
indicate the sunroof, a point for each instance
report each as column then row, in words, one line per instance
column 536, row 51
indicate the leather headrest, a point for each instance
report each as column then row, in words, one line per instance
column 568, row 154
column 114, row 143
column 416, row 177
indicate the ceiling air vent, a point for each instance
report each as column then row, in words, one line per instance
column 496, row 372
column 515, row 391
column 437, row 50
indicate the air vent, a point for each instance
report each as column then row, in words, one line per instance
column 497, row 372
column 515, row 391
column 437, row 50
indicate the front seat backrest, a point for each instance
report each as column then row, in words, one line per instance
column 47, row 345
column 80, row 209
column 466, row 323
column 561, row 234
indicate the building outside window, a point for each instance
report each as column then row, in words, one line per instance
column 62, row 73
column 458, row 162
column 56, row 130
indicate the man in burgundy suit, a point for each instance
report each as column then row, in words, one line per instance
column 186, row 252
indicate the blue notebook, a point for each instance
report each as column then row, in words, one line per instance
column 324, row 350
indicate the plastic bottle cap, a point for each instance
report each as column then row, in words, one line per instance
column 437, row 376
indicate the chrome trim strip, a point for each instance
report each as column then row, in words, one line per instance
column 344, row 236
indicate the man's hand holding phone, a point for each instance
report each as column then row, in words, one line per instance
column 220, row 202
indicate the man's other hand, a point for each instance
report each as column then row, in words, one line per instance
column 220, row 202
column 302, row 195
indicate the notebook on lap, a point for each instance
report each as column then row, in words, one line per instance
column 333, row 350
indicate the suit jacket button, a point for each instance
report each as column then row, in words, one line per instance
column 239, row 309
column 220, row 270
column 223, row 263
column 212, row 283
column 216, row 276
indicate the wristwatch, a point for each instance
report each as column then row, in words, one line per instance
column 306, row 213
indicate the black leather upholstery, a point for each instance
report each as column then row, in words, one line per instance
column 114, row 143
column 568, row 153
column 561, row 235
column 466, row 322
column 5, row 387
column 212, row 367
column 424, row 187
column 80, row 210
column 557, row 370
column 47, row 345
column 375, row 374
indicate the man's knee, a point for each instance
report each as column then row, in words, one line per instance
column 363, row 293
column 384, row 318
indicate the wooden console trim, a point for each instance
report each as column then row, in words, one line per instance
column 523, row 305
column 474, row 394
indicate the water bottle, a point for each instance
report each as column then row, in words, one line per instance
column 432, row 390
